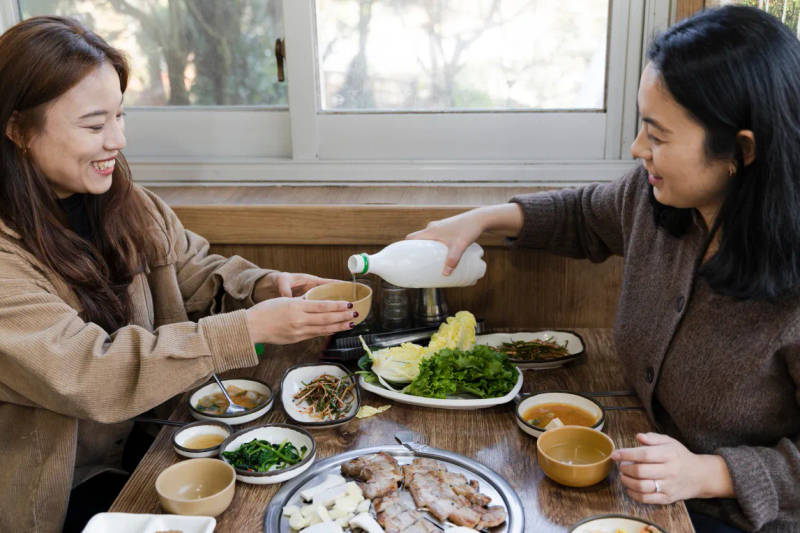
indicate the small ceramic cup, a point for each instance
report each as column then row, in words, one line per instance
column 575, row 456
column 196, row 487
column 343, row 290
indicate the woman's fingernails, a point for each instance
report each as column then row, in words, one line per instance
column 355, row 314
column 349, row 305
column 352, row 324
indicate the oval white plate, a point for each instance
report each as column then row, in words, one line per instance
column 575, row 345
column 292, row 382
column 148, row 523
column 448, row 403
column 235, row 420
column 610, row 523
column 274, row 434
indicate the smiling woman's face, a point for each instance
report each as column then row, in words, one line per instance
column 671, row 145
column 82, row 134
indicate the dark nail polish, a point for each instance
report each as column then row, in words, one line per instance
column 350, row 305
column 355, row 314
column 352, row 324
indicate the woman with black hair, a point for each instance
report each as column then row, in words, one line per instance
column 708, row 323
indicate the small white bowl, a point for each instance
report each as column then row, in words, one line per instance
column 294, row 379
column 609, row 523
column 203, row 427
column 274, row 434
column 525, row 402
column 234, row 420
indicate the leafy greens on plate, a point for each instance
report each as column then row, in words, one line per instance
column 482, row 372
column 259, row 455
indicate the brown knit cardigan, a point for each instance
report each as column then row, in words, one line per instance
column 718, row 374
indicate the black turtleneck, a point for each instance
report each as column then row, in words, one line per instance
column 75, row 208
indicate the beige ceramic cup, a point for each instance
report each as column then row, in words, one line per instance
column 343, row 290
column 196, row 487
column 576, row 456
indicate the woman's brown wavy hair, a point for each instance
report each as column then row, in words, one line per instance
column 41, row 58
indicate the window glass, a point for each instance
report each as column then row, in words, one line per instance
column 462, row 54
column 187, row 52
column 786, row 10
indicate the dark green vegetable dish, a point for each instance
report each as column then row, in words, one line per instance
column 535, row 350
column 262, row 456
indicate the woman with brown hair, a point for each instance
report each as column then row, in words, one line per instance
column 108, row 306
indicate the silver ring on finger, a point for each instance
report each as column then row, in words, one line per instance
column 658, row 487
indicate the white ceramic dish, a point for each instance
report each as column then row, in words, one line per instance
column 233, row 420
column 148, row 523
column 578, row 400
column 295, row 379
column 203, row 427
column 466, row 402
column 575, row 345
column 611, row 523
column 274, row 434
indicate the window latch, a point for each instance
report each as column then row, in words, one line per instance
column 280, row 55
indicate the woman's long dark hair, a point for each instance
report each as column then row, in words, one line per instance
column 737, row 68
column 41, row 58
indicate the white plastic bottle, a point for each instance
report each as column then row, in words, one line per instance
column 419, row 264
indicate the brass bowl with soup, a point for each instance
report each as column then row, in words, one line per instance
column 360, row 296
column 575, row 456
column 196, row 487
column 535, row 411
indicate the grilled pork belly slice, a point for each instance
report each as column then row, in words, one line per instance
column 448, row 495
column 379, row 472
column 396, row 517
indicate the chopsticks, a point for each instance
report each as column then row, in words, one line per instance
column 159, row 421
column 610, row 393
column 624, row 408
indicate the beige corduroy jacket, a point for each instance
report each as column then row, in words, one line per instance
column 67, row 387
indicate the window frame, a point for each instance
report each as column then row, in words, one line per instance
column 304, row 145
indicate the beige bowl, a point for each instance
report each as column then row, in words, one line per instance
column 576, row 456
column 343, row 290
column 196, row 487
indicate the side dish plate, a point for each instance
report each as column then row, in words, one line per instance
column 575, row 346
column 455, row 402
column 491, row 484
column 148, row 523
column 612, row 523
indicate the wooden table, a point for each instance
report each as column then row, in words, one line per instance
column 490, row 436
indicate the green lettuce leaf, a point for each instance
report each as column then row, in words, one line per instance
column 482, row 372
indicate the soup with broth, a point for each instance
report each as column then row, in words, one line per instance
column 570, row 415
column 201, row 442
column 215, row 404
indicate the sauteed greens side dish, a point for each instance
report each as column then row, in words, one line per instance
column 481, row 371
column 535, row 350
column 261, row 456
column 327, row 397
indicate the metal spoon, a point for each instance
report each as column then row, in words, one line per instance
column 232, row 409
